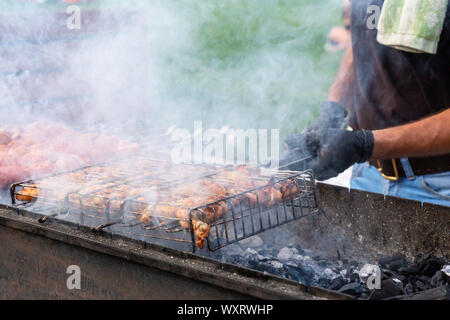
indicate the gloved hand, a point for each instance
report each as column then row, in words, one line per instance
column 332, row 115
column 334, row 150
column 297, row 156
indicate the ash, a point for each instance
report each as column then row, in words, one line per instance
column 398, row 276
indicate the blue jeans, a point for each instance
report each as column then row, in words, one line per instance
column 430, row 188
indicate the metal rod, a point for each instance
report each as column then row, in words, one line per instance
column 295, row 162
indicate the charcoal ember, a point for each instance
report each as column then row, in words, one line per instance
column 354, row 264
column 446, row 269
column 367, row 270
column 324, row 282
column 316, row 258
column 285, row 254
column 353, row 288
column 420, row 283
column 409, row 288
column 406, row 271
column 338, row 271
column 323, row 263
column 420, row 286
column 364, row 296
column 236, row 260
column 300, row 273
column 427, row 265
column 252, row 242
column 330, row 274
column 234, row 250
column 250, row 254
column 426, row 281
column 399, row 283
column 348, row 272
column 352, row 274
column 268, row 266
column 306, row 271
column 389, row 288
column 439, row 279
column 386, row 272
column 276, row 264
column 393, row 263
column 400, row 277
column 298, row 258
column 354, row 277
column 337, row 283
column 268, row 252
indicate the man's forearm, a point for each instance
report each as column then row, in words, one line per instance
column 427, row 137
column 342, row 89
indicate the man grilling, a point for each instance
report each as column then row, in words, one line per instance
column 394, row 83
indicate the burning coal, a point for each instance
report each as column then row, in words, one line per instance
column 397, row 276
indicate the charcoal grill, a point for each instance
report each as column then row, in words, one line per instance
column 360, row 224
column 110, row 197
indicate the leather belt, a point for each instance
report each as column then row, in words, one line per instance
column 393, row 170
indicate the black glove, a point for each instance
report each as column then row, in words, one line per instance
column 334, row 150
column 297, row 156
column 332, row 115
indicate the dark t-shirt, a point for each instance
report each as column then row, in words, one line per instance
column 394, row 87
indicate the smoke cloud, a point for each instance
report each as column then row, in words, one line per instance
column 134, row 67
column 248, row 64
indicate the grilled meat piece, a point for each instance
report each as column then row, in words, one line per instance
column 274, row 196
column 201, row 231
column 4, row 138
column 27, row 194
column 43, row 148
column 215, row 211
column 289, row 189
column 145, row 216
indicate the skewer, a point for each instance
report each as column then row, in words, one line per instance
column 295, row 162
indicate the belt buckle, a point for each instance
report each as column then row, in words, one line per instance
column 390, row 178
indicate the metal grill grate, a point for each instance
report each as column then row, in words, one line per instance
column 154, row 200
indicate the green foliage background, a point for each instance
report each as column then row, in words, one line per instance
column 253, row 63
column 241, row 63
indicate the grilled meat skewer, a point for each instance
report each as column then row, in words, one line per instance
column 27, row 194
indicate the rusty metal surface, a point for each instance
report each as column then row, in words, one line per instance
column 33, row 265
column 367, row 226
